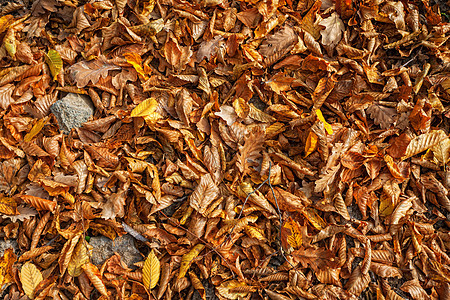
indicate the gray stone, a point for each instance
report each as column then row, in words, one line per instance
column 104, row 248
column 72, row 111
column 4, row 245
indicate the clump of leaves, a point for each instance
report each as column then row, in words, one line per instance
column 253, row 149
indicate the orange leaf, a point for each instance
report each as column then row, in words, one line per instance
column 95, row 277
column 8, row 206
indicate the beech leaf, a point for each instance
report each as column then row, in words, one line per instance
column 332, row 33
column 151, row 270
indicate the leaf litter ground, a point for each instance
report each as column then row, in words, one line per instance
column 253, row 149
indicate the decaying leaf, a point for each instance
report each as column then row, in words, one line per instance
column 332, row 33
column 247, row 149
column 90, row 71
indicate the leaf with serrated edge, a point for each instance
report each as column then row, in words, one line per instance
column 8, row 206
column 204, row 194
column 424, row 142
column 54, row 62
column 95, row 277
column 30, row 277
column 79, row 258
column 187, row 259
column 151, row 271
column 6, row 263
column 145, row 108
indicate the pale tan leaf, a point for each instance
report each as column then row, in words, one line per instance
column 80, row 257
column 67, row 251
column 385, row 271
column 400, row 211
column 84, row 72
column 326, row 179
column 225, row 289
column 424, row 142
column 6, row 95
column 332, row 33
column 30, row 277
column 281, row 40
column 341, row 207
column 250, row 151
column 205, row 193
column 414, row 288
column 357, row 282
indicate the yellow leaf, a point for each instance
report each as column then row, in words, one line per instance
column 255, row 232
column 311, row 143
column 36, row 129
column 79, row 258
column 67, row 251
column 5, row 21
column 8, row 206
column 295, row 238
column 148, row 7
column 145, row 108
column 6, row 263
column 30, row 277
column 10, row 42
column 386, row 206
column 95, row 277
column 314, row 218
column 135, row 60
column 151, row 271
column 325, row 124
column 187, row 259
column 441, row 152
column 54, row 62
column 241, row 108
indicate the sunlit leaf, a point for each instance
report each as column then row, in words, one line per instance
column 328, row 127
column 151, row 270
column 311, row 143
column 8, row 206
column 37, row 127
column 424, row 142
column 136, row 61
column 95, row 277
column 79, row 258
column 30, row 277
column 54, row 62
column 188, row 258
column 10, row 42
column 145, row 108
column 6, row 263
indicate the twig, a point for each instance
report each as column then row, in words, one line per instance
column 213, row 249
column 279, row 215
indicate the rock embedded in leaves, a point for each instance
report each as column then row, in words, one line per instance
column 104, row 248
column 72, row 111
column 4, row 245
